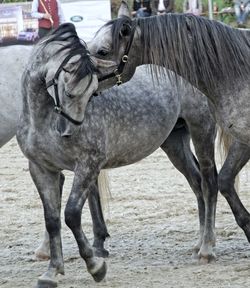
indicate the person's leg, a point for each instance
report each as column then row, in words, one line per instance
column 245, row 13
column 146, row 14
column 237, row 13
column 140, row 13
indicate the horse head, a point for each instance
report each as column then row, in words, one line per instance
column 69, row 74
column 112, row 43
column 71, row 87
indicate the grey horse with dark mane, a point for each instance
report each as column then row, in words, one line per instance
column 212, row 56
column 60, row 77
column 14, row 60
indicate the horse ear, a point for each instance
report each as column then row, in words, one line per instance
column 123, row 10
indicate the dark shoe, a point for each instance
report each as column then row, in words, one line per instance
column 241, row 25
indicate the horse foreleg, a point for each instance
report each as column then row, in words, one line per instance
column 47, row 184
column 99, row 227
column 73, row 211
column 42, row 253
column 238, row 156
column 177, row 147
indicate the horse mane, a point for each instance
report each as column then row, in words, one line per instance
column 66, row 36
column 200, row 50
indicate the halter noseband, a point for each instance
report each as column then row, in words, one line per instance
column 117, row 73
column 54, row 82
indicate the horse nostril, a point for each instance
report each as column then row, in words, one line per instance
column 65, row 135
column 62, row 128
column 61, row 124
column 65, row 128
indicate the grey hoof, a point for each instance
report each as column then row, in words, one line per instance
column 46, row 284
column 100, row 274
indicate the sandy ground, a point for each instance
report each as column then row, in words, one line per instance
column 152, row 221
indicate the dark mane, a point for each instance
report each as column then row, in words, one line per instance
column 197, row 48
column 72, row 45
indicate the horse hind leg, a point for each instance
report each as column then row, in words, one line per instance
column 80, row 190
column 42, row 253
column 203, row 139
column 177, row 148
column 238, row 156
column 99, row 227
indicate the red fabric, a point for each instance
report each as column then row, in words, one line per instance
column 52, row 8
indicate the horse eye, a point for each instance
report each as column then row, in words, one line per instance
column 69, row 95
column 102, row 52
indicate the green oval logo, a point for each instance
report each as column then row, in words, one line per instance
column 76, row 18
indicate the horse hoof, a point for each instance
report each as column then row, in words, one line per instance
column 195, row 255
column 46, row 284
column 195, row 252
column 205, row 259
column 101, row 252
column 99, row 275
column 47, row 280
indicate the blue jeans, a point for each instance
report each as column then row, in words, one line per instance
column 142, row 13
column 241, row 15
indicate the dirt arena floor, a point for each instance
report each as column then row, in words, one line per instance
column 153, row 224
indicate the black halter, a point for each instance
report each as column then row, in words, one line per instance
column 57, row 108
column 118, row 71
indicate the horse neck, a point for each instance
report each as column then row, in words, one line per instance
column 36, row 102
column 209, row 55
column 160, row 69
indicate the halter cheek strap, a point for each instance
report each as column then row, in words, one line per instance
column 57, row 108
column 117, row 73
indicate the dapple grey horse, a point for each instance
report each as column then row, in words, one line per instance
column 60, row 77
column 212, row 56
column 14, row 59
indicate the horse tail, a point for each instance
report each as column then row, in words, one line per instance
column 104, row 190
column 224, row 142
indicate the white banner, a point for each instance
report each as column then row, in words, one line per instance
column 87, row 16
column 17, row 26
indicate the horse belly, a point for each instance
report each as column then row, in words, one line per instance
column 139, row 139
